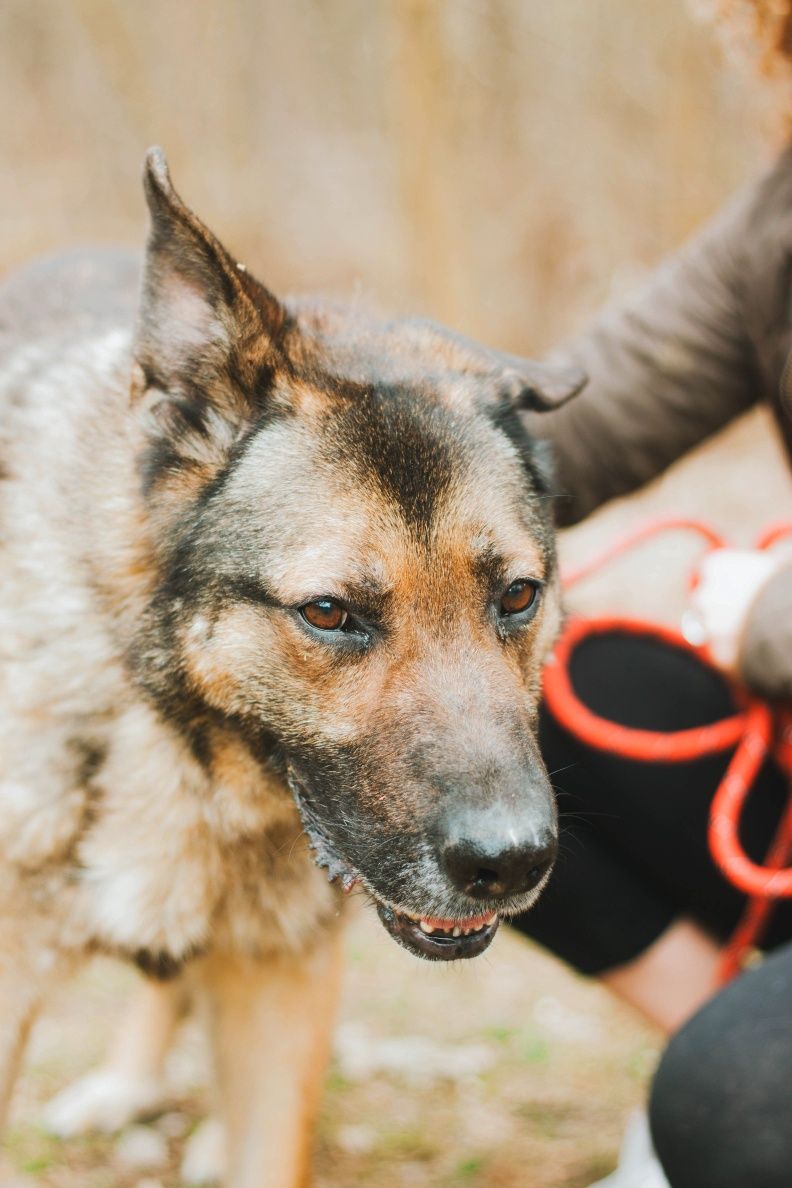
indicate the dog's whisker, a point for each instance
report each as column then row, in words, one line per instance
column 557, row 770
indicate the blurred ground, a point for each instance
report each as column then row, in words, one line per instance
column 505, row 1072
column 503, row 166
column 499, row 165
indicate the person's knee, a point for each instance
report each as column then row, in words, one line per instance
column 719, row 1103
column 679, row 1120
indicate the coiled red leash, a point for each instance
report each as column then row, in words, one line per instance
column 754, row 731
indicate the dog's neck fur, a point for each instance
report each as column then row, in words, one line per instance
column 149, row 831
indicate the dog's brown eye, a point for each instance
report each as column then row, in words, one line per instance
column 325, row 614
column 519, row 597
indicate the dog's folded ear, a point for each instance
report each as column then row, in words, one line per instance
column 206, row 328
column 539, row 386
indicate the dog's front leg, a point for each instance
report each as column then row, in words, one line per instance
column 16, row 1019
column 271, row 1022
column 29, row 967
column 130, row 1083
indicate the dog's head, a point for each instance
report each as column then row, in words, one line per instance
column 358, row 574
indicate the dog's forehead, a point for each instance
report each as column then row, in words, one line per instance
column 374, row 480
column 353, row 342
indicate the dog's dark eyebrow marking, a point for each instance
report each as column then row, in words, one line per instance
column 362, row 597
column 366, row 599
column 492, row 570
column 251, row 589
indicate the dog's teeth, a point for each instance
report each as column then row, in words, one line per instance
column 455, row 930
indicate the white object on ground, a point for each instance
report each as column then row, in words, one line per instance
column 566, row 1025
column 204, row 1160
column 103, row 1101
column 174, row 1124
column 638, row 1164
column 356, row 1138
column 141, row 1149
column 412, row 1058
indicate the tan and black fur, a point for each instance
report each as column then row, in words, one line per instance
column 182, row 472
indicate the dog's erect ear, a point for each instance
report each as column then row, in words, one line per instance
column 206, row 328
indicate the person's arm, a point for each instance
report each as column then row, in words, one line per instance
column 676, row 363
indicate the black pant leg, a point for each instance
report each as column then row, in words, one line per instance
column 721, row 1105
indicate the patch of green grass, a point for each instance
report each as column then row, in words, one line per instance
column 336, row 1082
column 407, row 1144
column 14, row 1138
column 466, row 1169
column 31, row 1150
column 35, row 1153
column 642, row 1063
column 501, row 1035
column 534, row 1049
column 527, row 1045
column 38, row 1163
column 545, row 1118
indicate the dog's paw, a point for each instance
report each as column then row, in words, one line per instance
column 103, row 1101
column 205, row 1154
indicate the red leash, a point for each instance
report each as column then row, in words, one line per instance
column 754, row 731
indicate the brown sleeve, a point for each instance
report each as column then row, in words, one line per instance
column 765, row 658
column 670, row 367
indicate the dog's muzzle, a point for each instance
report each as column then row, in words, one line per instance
column 483, row 872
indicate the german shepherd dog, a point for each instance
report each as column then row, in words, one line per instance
column 277, row 586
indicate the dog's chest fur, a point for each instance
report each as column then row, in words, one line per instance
column 178, row 860
column 109, row 825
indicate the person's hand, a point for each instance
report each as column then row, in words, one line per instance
column 729, row 581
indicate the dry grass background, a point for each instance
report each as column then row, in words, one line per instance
column 500, row 164
column 504, row 166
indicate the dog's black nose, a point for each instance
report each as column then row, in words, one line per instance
column 498, row 865
column 496, row 837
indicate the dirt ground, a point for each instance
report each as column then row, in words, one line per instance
column 506, row 1072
